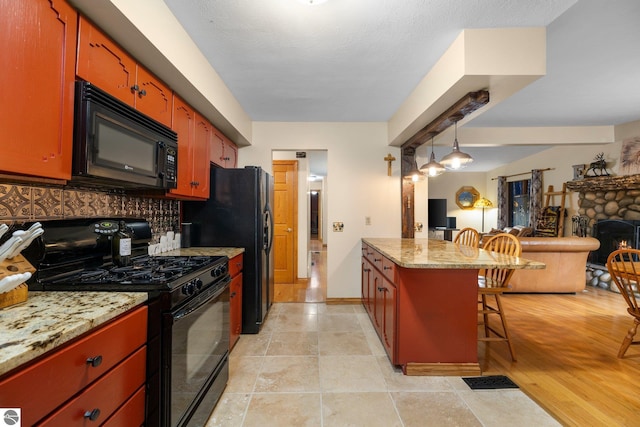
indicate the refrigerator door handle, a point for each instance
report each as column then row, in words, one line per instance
column 268, row 230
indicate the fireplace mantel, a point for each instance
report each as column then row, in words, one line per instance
column 605, row 183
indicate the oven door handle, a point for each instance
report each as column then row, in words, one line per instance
column 201, row 299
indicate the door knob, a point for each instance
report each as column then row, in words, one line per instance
column 289, row 230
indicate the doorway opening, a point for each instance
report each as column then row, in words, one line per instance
column 310, row 283
column 314, row 214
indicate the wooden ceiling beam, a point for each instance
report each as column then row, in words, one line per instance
column 465, row 106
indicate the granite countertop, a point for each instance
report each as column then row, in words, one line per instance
column 204, row 251
column 49, row 319
column 432, row 253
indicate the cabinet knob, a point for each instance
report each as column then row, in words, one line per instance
column 233, row 294
column 377, row 259
column 92, row 415
column 386, row 268
column 94, row 361
column 135, row 88
column 380, row 289
column 142, row 93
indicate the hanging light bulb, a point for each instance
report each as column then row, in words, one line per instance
column 456, row 159
column 432, row 168
column 414, row 174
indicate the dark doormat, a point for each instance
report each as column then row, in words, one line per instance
column 489, row 382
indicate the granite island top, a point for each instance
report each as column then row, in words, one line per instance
column 204, row 251
column 49, row 319
column 433, row 253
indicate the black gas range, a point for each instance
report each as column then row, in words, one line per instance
column 75, row 255
column 188, row 306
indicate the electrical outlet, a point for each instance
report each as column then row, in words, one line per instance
column 338, row 226
column 367, row 220
column 418, row 227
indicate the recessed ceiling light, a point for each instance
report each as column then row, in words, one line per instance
column 312, row 2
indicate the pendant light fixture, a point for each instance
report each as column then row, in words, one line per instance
column 456, row 159
column 432, row 168
column 414, row 174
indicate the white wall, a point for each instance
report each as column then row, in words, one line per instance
column 360, row 186
column 446, row 185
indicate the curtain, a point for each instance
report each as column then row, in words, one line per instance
column 535, row 197
column 503, row 202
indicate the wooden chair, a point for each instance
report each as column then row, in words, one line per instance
column 624, row 267
column 493, row 282
column 468, row 237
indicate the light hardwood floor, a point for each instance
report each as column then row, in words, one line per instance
column 566, row 347
column 312, row 289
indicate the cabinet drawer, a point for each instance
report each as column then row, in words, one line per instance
column 370, row 253
column 376, row 259
column 235, row 265
column 129, row 414
column 104, row 396
column 388, row 269
column 66, row 371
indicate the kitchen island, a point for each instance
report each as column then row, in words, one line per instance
column 421, row 296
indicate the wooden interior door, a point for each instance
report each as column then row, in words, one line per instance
column 285, row 213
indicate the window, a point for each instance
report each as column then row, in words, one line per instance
column 519, row 202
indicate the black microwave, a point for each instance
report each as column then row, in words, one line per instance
column 116, row 145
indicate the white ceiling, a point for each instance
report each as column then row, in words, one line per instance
column 358, row 60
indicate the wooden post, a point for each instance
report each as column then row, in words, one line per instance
column 408, row 193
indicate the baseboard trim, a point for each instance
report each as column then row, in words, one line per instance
column 343, row 301
column 443, row 369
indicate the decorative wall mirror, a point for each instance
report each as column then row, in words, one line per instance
column 466, row 197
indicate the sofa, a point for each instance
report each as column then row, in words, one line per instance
column 565, row 258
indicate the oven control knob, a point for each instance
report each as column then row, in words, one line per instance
column 198, row 283
column 188, row 289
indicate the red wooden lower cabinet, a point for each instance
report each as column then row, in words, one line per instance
column 100, row 370
column 102, row 398
column 426, row 319
column 235, row 297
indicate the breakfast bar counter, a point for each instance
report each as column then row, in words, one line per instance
column 421, row 296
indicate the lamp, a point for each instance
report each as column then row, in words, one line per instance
column 414, row 174
column 456, row 159
column 432, row 168
column 483, row 203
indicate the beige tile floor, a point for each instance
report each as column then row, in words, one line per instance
column 323, row 365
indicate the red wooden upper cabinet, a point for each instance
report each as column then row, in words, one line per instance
column 105, row 64
column 224, row 153
column 194, row 135
column 37, row 41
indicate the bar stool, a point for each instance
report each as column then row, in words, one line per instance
column 493, row 283
column 624, row 267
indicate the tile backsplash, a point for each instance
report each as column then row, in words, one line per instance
column 24, row 203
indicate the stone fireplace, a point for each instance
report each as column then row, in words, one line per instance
column 611, row 205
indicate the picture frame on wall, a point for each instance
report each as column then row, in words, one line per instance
column 466, row 196
column 630, row 156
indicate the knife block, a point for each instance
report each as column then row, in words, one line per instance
column 20, row 293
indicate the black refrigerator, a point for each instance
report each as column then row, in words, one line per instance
column 239, row 214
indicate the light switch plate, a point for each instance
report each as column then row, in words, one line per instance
column 338, row 226
column 418, row 226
